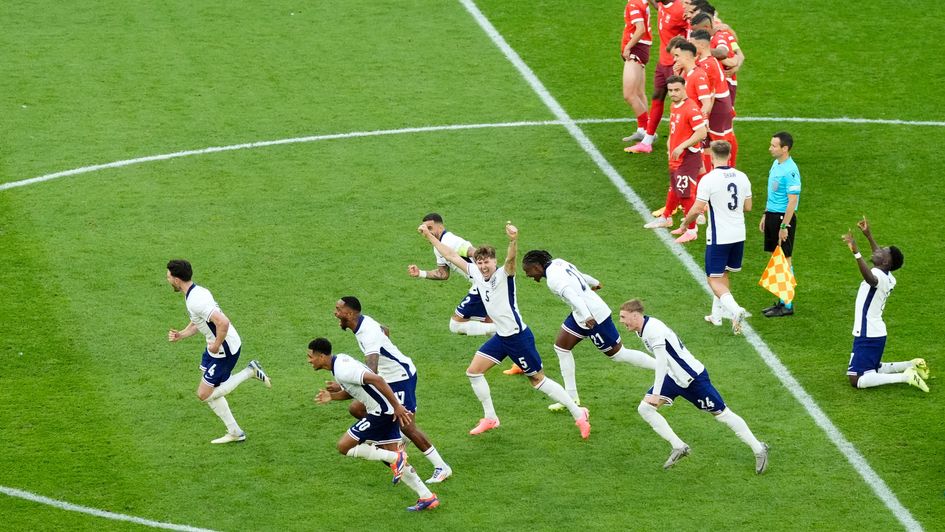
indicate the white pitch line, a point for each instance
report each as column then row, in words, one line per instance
column 20, row 494
column 427, row 129
column 857, row 460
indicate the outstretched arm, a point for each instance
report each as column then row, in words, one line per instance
column 512, row 231
column 444, row 250
column 865, row 227
column 865, row 270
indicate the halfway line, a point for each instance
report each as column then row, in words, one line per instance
column 20, row 494
column 857, row 460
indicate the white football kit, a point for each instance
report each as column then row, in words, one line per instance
column 725, row 190
column 349, row 374
column 498, row 296
column 870, row 302
column 574, row 288
column 392, row 365
column 672, row 357
column 200, row 305
column 457, row 244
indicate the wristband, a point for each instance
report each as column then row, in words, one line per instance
column 423, row 274
column 857, row 256
column 784, row 226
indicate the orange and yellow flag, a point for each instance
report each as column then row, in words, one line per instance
column 778, row 278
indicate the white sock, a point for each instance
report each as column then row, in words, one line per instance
column 568, row 371
column 648, row 139
column 895, row 367
column 637, row 358
column 412, row 480
column 481, row 388
column 717, row 313
column 370, row 452
column 660, row 425
column 641, row 130
column 222, row 409
column 434, row 457
column 740, row 428
column 729, row 304
column 230, row 384
column 869, row 380
column 472, row 328
column 555, row 391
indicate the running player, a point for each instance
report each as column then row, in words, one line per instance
column 383, row 412
column 512, row 339
column 866, row 368
column 671, row 22
column 470, row 316
column 589, row 317
column 727, row 193
column 678, row 373
column 222, row 352
column 397, row 369
column 635, row 51
column 687, row 129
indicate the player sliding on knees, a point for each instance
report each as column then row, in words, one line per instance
column 354, row 380
column 590, row 317
column 512, row 339
column 866, row 367
column 680, row 373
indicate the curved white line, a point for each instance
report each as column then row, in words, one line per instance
column 62, row 505
column 427, row 129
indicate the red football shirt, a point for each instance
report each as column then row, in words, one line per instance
column 724, row 39
column 636, row 11
column 672, row 22
column 697, row 85
column 716, row 75
column 684, row 119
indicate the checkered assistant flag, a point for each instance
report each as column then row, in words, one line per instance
column 778, row 278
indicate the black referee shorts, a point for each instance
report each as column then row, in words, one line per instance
column 773, row 227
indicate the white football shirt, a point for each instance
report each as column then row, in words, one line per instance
column 870, row 302
column 457, row 244
column 349, row 374
column 672, row 357
column 200, row 305
column 574, row 288
column 498, row 296
column 725, row 189
column 392, row 365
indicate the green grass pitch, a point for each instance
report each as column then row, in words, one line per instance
column 97, row 408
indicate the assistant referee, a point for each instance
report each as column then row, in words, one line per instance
column 779, row 223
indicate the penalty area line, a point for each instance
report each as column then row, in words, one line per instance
column 859, row 463
column 62, row 505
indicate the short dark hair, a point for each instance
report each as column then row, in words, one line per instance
column 674, row 42
column 687, row 46
column 675, row 79
column 703, row 6
column 700, row 18
column 484, row 251
column 537, row 256
column 181, row 269
column 320, row 345
column 352, row 303
column 896, row 256
column 433, row 217
column 787, row 141
column 700, row 35
column 720, row 148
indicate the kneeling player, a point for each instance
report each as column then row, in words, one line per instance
column 678, row 373
column 589, row 317
column 866, row 368
column 379, row 426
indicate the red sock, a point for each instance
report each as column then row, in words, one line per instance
column 672, row 201
column 734, row 142
column 687, row 204
column 656, row 114
column 643, row 119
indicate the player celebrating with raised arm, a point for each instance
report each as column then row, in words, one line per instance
column 635, row 51
column 222, row 352
column 678, row 373
column 397, row 369
column 470, row 317
column 512, row 339
column 727, row 192
column 383, row 412
column 866, row 368
column 589, row 317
